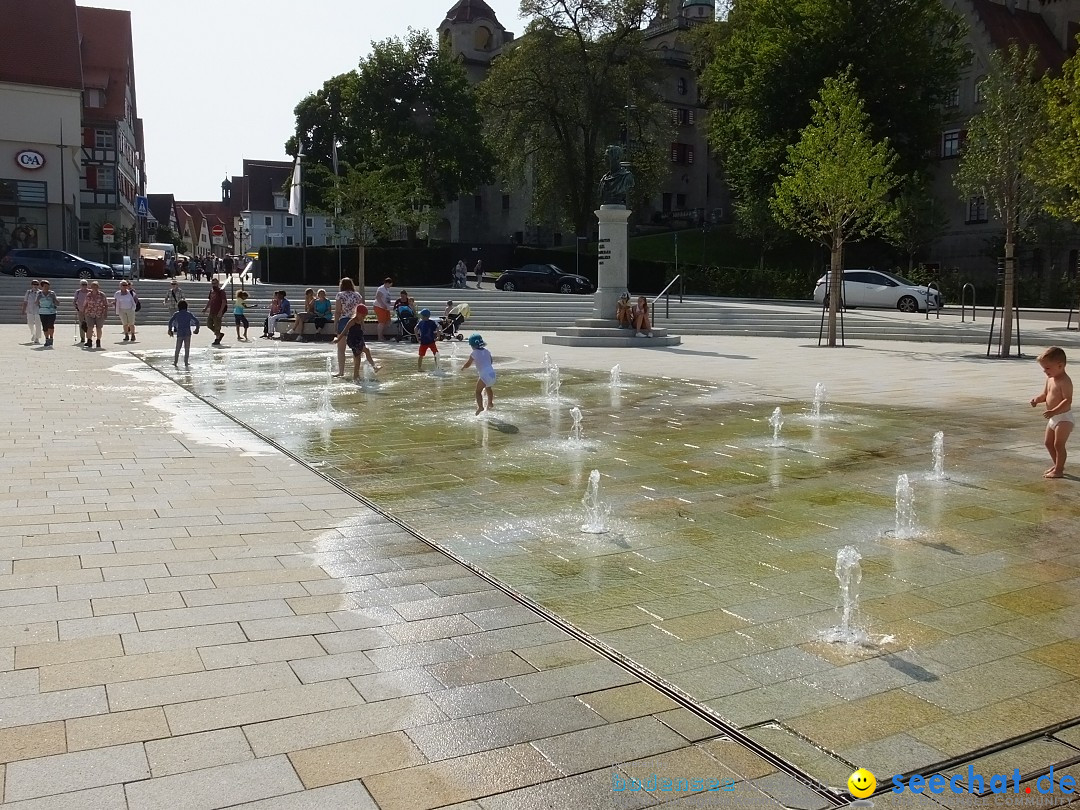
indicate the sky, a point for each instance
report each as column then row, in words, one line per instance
column 217, row 80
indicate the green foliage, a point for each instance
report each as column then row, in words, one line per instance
column 560, row 94
column 407, row 119
column 1002, row 160
column 920, row 218
column 763, row 67
column 165, row 234
column 1061, row 144
column 837, row 183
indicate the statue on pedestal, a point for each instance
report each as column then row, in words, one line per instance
column 617, row 185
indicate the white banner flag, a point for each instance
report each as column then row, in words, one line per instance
column 294, row 190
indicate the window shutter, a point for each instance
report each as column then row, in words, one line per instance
column 88, row 137
column 690, row 155
column 91, row 177
column 690, row 116
column 674, row 153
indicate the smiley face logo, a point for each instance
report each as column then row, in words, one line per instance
column 861, row 784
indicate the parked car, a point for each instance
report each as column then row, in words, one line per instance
column 876, row 288
column 51, row 264
column 125, row 269
column 543, row 278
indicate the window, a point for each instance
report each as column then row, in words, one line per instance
column 681, row 87
column 288, row 240
column 279, row 203
column 685, row 117
column 666, row 204
column 94, row 98
column 952, row 143
column 952, row 101
column 106, row 178
column 478, row 203
column 288, row 222
column 84, row 231
column 506, row 202
column 310, row 241
column 104, row 139
column 268, row 221
column 976, row 212
column 680, row 201
column 682, row 153
column 309, row 222
column 980, row 90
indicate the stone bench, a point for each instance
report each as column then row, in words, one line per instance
column 329, row 330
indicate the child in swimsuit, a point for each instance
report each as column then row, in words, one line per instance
column 481, row 358
column 1057, row 394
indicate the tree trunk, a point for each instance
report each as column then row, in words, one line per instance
column 836, row 285
column 1010, row 291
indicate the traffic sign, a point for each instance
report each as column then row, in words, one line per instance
column 142, row 208
column 107, row 231
column 218, row 230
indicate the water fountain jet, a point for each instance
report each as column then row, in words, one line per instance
column 776, row 421
column 616, row 377
column 938, row 451
column 596, row 511
column 849, row 573
column 818, row 403
column 575, row 431
column 905, row 509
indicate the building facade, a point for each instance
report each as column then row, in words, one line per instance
column 261, row 204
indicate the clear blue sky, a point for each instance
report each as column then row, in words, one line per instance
column 217, row 80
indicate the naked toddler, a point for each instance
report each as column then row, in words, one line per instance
column 1057, row 395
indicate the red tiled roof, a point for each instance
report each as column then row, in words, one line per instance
column 1024, row 28
column 41, row 46
column 465, row 11
column 107, row 56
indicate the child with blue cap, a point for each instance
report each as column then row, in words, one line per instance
column 427, row 333
column 481, row 358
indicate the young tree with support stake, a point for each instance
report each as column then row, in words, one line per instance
column 837, row 184
column 1002, row 162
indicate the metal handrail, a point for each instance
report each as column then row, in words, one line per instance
column 652, row 304
column 963, row 298
column 937, row 308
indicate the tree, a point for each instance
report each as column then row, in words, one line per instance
column 837, row 183
column 919, row 217
column 764, row 65
column 1001, row 161
column 1061, row 144
column 407, row 114
column 579, row 79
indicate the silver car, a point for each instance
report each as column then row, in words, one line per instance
column 877, row 288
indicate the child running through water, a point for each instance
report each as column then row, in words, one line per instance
column 180, row 325
column 353, row 335
column 1057, row 394
column 481, row 358
column 427, row 332
column 238, row 314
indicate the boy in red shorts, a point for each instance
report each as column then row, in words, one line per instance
column 427, row 333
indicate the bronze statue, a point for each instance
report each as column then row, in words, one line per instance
column 617, row 185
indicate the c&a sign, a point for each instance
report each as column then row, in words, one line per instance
column 30, row 159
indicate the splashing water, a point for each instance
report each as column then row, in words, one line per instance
column 281, row 384
column 849, row 573
column 905, row 509
column 326, row 410
column 939, row 457
column 329, row 370
column 819, row 401
column 552, row 383
column 453, row 352
column 369, row 374
column 596, row 511
column 575, row 431
column 547, row 362
column 776, row 421
column 616, row 376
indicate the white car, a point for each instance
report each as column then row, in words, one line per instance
column 876, row 288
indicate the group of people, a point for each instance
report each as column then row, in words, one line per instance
column 634, row 316
column 40, row 306
column 459, row 276
column 210, row 266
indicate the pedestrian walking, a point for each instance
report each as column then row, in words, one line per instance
column 47, row 306
column 180, row 325
column 215, row 308
column 95, row 310
column 124, row 302
column 29, row 309
column 80, row 304
column 383, row 306
column 479, row 271
column 173, row 297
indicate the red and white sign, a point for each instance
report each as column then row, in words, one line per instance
column 30, row 159
column 218, row 230
column 107, row 231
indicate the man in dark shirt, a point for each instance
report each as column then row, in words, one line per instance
column 215, row 309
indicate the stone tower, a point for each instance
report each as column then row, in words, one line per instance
column 474, row 35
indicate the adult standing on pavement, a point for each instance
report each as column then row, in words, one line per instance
column 215, row 309
column 479, row 272
column 173, row 297
column 47, row 305
column 80, row 304
column 124, row 302
column 383, row 305
column 29, row 309
column 345, row 305
column 95, row 310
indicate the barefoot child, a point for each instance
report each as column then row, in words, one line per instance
column 481, row 358
column 1057, row 394
column 427, row 332
column 180, row 325
column 353, row 335
column 239, row 304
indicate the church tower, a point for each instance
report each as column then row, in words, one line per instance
column 474, row 35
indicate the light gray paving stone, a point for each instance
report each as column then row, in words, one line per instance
column 261, row 652
column 368, row 638
column 221, row 786
column 27, row 596
column 64, row 773
column 592, row 748
column 332, row 667
column 182, row 638
column 249, row 593
column 192, row 752
column 26, row 710
column 212, row 614
column 96, row 590
column 97, row 626
column 103, row 798
column 396, row 683
column 287, row 625
column 199, row 686
column 347, row 796
column 577, row 679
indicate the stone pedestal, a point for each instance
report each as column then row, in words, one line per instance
column 613, row 260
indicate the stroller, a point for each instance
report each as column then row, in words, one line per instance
column 407, row 321
column 450, row 324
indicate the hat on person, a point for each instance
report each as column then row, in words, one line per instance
column 476, row 341
column 362, row 310
column 425, row 313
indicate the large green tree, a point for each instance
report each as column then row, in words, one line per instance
column 762, row 67
column 838, row 182
column 1061, row 146
column 579, row 79
column 406, row 113
column 1002, row 161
